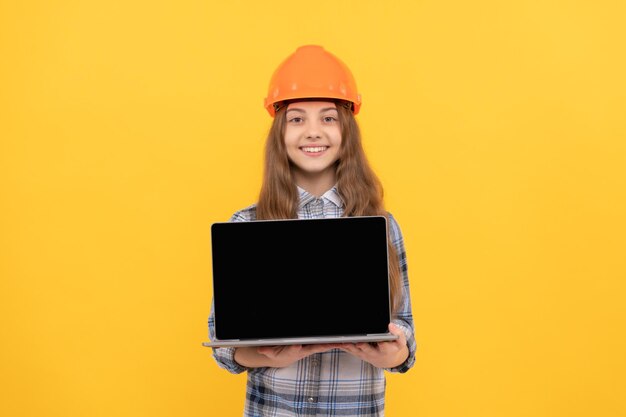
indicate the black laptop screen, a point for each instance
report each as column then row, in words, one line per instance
column 300, row 278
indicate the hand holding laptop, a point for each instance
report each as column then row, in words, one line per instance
column 277, row 356
column 386, row 354
column 382, row 354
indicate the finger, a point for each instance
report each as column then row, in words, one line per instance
column 348, row 347
column 326, row 348
column 293, row 349
column 264, row 350
column 387, row 343
column 311, row 349
column 354, row 351
column 396, row 330
column 334, row 345
column 386, row 348
column 366, row 348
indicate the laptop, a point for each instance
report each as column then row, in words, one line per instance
column 300, row 281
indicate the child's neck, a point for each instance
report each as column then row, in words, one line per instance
column 317, row 184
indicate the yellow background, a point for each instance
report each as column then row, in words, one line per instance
column 498, row 129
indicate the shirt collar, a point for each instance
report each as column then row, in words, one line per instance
column 331, row 195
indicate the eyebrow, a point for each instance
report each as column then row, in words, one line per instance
column 303, row 111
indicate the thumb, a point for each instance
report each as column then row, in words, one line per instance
column 395, row 329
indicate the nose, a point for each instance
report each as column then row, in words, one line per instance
column 313, row 130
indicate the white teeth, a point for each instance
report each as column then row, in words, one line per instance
column 314, row 149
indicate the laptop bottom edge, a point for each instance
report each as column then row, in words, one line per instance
column 302, row 340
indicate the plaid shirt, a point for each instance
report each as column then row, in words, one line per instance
column 332, row 383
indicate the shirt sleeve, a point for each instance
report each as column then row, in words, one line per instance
column 225, row 356
column 404, row 316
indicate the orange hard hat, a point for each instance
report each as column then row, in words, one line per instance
column 312, row 72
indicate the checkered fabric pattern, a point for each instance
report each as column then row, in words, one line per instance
column 332, row 383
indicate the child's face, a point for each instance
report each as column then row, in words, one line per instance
column 313, row 137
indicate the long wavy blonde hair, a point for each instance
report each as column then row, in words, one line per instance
column 358, row 185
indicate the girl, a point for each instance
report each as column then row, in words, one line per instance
column 315, row 166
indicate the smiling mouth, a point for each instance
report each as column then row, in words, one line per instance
column 314, row 149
